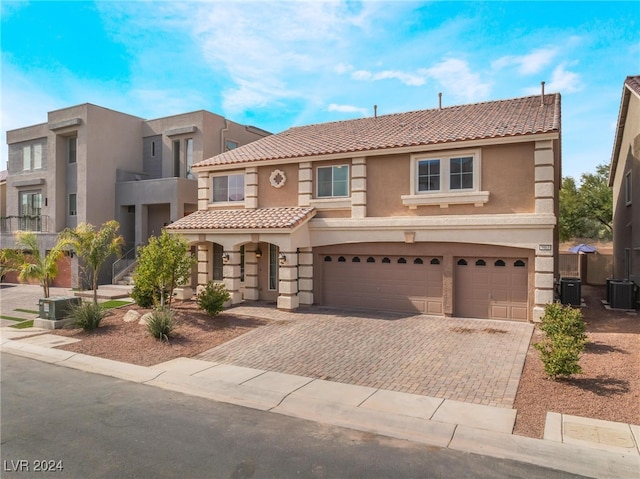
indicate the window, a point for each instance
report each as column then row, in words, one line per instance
column 72, row 149
column 176, row 158
column 332, row 181
column 30, row 210
column 418, row 261
column 218, row 264
column 230, row 145
column 73, row 204
column 627, row 188
column 462, row 262
column 402, row 261
column 481, row 262
column 386, row 260
column 446, row 179
column 355, row 259
column 461, row 173
column 519, row 264
column 273, row 267
column 429, row 175
column 499, row 263
column 228, row 188
column 32, row 157
column 342, row 259
column 153, row 148
column 435, row 261
column 327, row 259
column 189, row 152
column 370, row 259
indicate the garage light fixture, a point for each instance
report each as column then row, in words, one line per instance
column 282, row 258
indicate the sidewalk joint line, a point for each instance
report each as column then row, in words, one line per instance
column 291, row 392
column 367, row 398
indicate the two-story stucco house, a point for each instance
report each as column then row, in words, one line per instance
column 450, row 211
column 624, row 177
column 90, row 164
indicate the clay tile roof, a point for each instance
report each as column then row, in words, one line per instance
column 495, row 119
column 633, row 82
column 261, row 218
column 3, row 176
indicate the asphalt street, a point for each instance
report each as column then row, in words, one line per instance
column 62, row 423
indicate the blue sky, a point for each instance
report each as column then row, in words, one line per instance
column 281, row 64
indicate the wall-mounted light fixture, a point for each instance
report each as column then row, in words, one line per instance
column 258, row 253
column 225, row 257
column 282, row 258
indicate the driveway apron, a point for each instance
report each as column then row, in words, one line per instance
column 470, row 360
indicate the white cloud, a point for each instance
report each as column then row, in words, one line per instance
column 456, row 78
column 409, row 79
column 348, row 109
column 562, row 81
column 528, row 64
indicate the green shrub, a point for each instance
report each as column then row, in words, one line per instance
column 161, row 323
column 87, row 316
column 145, row 297
column 565, row 338
column 212, row 298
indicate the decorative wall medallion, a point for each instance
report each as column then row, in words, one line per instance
column 277, row 178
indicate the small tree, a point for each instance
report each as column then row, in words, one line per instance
column 30, row 262
column 164, row 263
column 94, row 247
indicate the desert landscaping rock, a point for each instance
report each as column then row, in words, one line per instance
column 131, row 316
column 145, row 319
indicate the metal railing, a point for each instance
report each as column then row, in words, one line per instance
column 120, row 266
column 11, row 224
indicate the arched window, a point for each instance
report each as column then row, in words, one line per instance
column 435, row 261
column 327, row 258
column 462, row 262
column 519, row 264
column 341, row 259
column 386, row 260
column 481, row 262
column 417, row 261
column 355, row 259
column 499, row 263
column 402, row 260
column 370, row 259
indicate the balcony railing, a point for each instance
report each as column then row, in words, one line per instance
column 11, row 224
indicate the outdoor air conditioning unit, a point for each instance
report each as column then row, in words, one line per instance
column 621, row 294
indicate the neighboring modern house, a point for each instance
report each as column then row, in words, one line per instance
column 624, row 177
column 89, row 164
column 450, row 211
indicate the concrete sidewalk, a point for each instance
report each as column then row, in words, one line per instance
column 577, row 445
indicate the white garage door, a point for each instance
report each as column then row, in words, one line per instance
column 389, row 283
column 493, row 288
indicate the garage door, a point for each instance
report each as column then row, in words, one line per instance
column 493, row 288
column 390, row 283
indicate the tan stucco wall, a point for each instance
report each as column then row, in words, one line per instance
column 287, row 195
column 388, row 178
column 626, row 218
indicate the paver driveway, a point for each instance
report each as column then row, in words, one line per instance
column 471, row 360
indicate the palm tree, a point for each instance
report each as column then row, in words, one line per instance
column 29, row 261
column 94, row 246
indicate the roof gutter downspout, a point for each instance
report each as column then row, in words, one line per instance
column 222, row 132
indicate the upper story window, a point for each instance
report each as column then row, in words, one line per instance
column 189, row 157
column 332, row 181
column 32, row 157
column 73, row 204
column 230, row 145
column 72, row 149
column 228, row 188
column 446, row 179
column 176, row 158
column 627, row 188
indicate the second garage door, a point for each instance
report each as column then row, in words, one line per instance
column 493, row 288
column 390, row 283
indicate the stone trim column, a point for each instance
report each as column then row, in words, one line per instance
column 203, row 253
column 305, row 276
column 358, row 188
column 545, row 201
column 288, row 281
column 448, row 285
column 305, row 184
column 231, row 275
column 251, row 291
column 251, row 187
column 203, row 191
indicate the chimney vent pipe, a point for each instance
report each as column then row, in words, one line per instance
column 542, row 95
column 375, row 111
column 440, row 101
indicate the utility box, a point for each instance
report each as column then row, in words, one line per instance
column 57, row 308
column 622, row 294
column 571, row 291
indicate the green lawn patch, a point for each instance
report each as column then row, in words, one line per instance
column 12, row 318
column 30, row 311
column 114, row 303
column 24, row 324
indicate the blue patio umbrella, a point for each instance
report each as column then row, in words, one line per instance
column 583, row 248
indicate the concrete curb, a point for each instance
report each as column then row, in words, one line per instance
column 443, row 423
